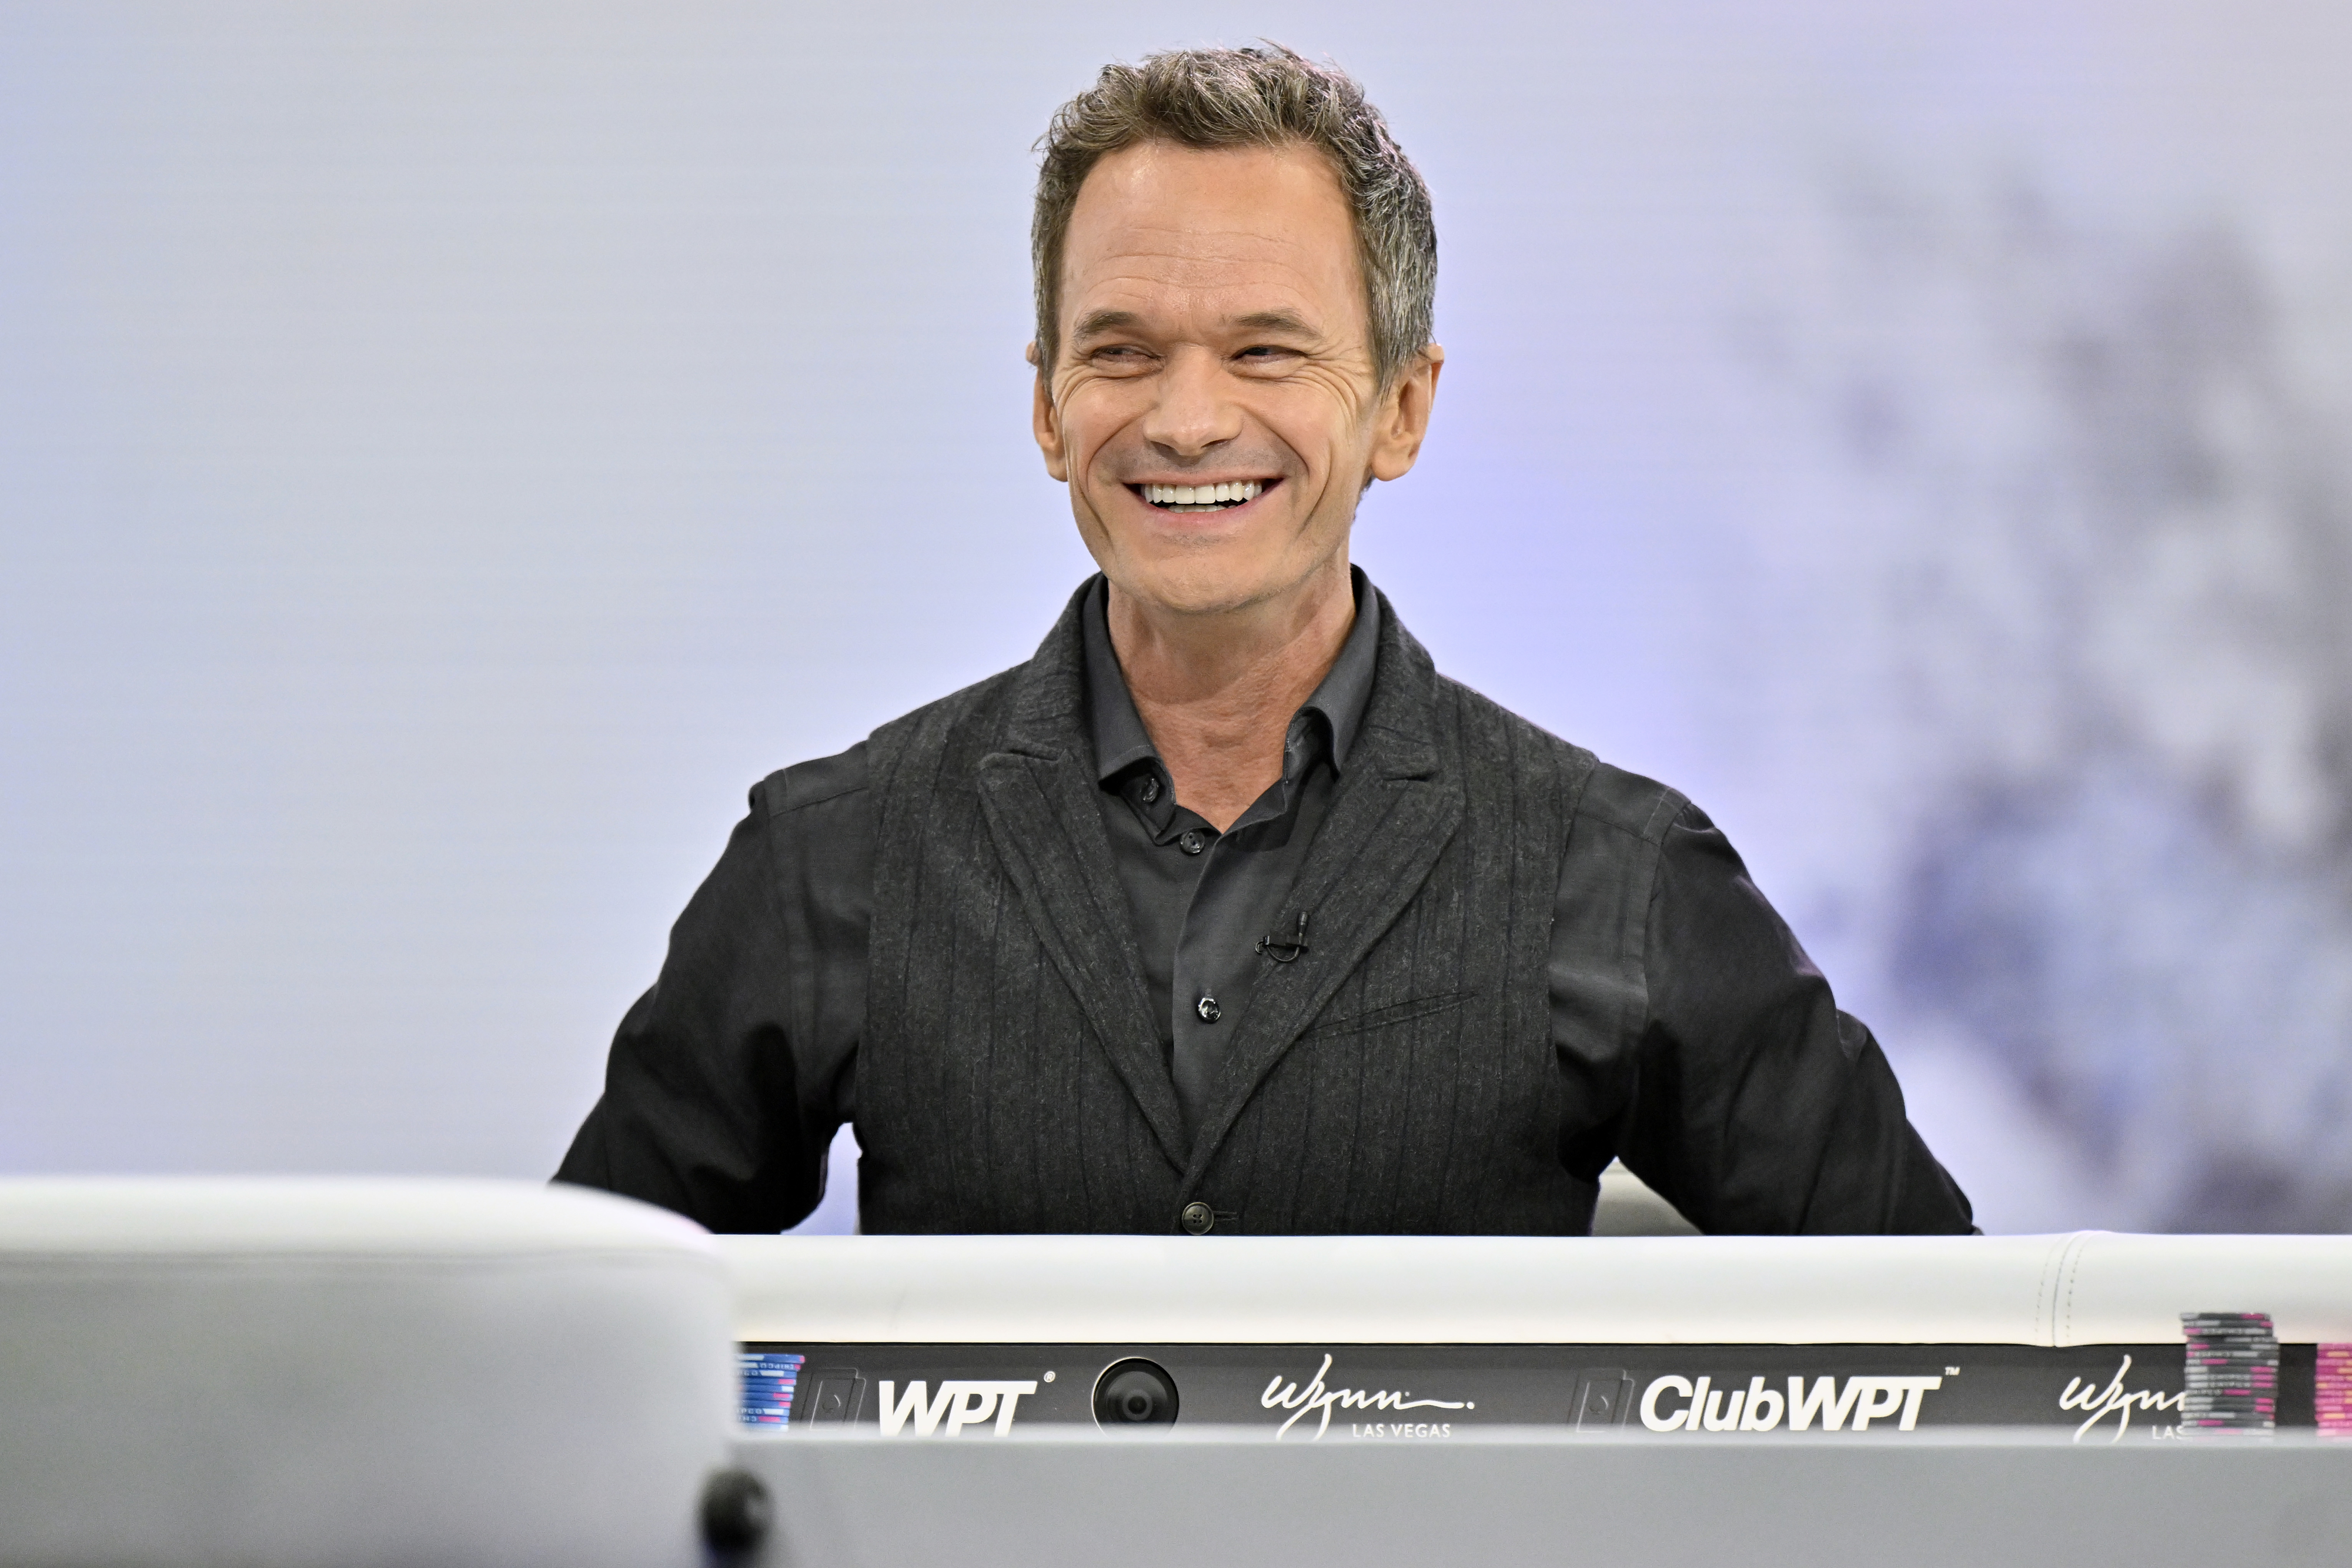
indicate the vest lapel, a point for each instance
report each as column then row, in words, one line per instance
column 1038, row 795
column 1394, row 813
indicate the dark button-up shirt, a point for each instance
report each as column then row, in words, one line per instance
column 1749, row 1100
column 1206, row 904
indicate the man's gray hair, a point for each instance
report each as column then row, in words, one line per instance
column 1263, row 96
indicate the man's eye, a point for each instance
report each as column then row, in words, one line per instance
column 1119, row 354
column 1263, row 354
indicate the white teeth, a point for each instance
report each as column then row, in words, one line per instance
column 1230, row 493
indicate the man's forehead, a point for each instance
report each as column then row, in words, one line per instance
column 1229, row 232
column 1202, row 202
column 1134, row 289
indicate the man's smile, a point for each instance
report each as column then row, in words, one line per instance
column 1222, row 496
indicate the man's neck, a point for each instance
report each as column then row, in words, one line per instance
column 1217, row 692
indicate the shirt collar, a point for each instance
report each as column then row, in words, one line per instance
column 1121, row 741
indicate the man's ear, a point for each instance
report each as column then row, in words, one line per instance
column 1044, row 424
column 1403, row 417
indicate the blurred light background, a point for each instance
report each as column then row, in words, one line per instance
column 448, row 452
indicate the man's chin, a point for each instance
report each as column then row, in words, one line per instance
column 1206, row 589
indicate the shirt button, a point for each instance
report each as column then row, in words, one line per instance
column 1149, row 791
column 1208, row 1009
column 1192, row 841
column 1198, row 1220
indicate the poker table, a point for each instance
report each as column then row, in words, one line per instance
column 1391, row 1338
column 403, row 1372
column 1799, row 1400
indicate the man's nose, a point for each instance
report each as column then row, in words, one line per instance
column 1194, row 413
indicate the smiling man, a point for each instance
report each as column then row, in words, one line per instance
column 1226, row 912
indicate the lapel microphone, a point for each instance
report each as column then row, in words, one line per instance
column 1284, row 952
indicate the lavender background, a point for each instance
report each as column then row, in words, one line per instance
column 446, row 453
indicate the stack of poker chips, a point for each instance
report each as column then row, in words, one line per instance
column 2332, row 1391
column 2231, row 1386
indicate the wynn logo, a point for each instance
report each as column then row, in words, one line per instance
column 2113, row 1401
column 1317, row 1400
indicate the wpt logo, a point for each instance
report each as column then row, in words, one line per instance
column 961, row 1403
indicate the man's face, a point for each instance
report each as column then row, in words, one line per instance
column 1214, row 407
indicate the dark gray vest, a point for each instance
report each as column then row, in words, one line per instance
column 1398, row 1077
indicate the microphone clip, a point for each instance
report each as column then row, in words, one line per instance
column 1285, row 952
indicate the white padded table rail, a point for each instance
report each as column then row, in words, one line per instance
column 2087, row 1288
column 354, row 1371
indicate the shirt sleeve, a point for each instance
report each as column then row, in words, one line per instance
column 1755, row 1106
column 728, row 1080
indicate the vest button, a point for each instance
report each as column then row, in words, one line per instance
column 1149, row 791
column 1192, row 841
column 1198, row 1220
column 1208, row 1009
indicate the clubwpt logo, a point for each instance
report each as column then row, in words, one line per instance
column 1318, row 1399
column 959, row 1402
column 2116, row 1401
column 1673, row 1404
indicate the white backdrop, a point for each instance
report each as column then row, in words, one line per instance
column 448, row 452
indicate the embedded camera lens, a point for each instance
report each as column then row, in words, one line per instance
column 1135, row 1393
